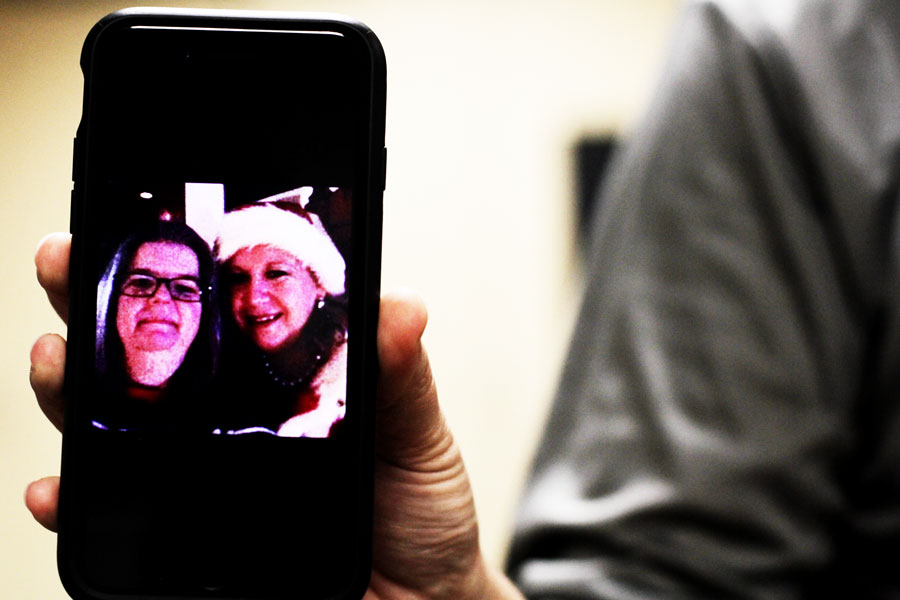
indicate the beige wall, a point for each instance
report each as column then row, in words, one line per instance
column 485, row 99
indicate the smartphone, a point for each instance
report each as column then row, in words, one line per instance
column 224, row 283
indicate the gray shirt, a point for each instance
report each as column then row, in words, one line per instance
column 728, row 422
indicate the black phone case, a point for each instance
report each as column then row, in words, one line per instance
column 366, row 260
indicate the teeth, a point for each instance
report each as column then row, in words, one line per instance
column 266, row 319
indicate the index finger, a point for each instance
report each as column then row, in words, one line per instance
column 52, row 262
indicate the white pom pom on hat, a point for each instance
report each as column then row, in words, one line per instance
column 265, row 224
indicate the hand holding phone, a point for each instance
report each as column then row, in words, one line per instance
column 426, row 540
column 194, row 486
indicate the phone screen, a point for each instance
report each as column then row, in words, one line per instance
column 226, row 221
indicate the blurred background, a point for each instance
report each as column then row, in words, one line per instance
column 490, row 105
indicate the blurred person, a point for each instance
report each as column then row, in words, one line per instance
column 156, row 334
column 727, row 421
column 285, row 325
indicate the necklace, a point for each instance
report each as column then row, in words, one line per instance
column 309, row 344
column 291, row 382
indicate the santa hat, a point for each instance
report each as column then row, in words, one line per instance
column 301, row 235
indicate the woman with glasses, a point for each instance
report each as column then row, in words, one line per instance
column 157, row 335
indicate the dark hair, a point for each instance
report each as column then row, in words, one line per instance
column 199, row 365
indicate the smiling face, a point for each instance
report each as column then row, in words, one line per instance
column 272, row 295
column 157, row 330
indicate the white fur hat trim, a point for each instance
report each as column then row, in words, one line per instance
column 264, row 224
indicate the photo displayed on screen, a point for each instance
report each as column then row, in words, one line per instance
column 225, row 318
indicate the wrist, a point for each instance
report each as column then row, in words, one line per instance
column 489, row 583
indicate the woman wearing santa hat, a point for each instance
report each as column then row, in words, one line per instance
column 284, row 322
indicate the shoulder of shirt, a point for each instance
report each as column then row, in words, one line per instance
column 759, row 21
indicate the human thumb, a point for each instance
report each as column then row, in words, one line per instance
column 411, row 428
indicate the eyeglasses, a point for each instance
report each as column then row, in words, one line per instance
column 183, row 289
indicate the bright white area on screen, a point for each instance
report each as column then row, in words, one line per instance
column 301, row 195
column 204, row 207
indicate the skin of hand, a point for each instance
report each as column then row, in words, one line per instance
column 425, row 532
